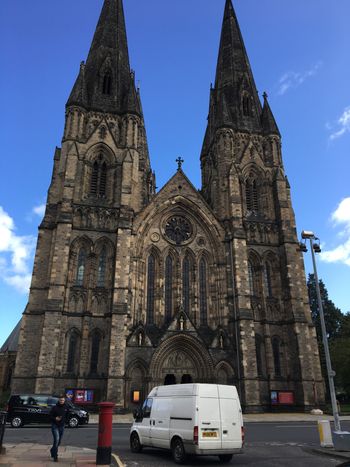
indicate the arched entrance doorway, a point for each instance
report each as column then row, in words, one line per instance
column 181, row 359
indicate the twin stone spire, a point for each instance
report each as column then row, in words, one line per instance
column 106, row 83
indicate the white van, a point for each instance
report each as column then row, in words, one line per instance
column 201, row 419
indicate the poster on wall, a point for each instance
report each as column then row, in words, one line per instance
column 282, row 398
column 80, row 396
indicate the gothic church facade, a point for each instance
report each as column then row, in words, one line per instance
column 133, row 288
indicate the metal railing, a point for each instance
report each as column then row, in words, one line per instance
column 3, row 416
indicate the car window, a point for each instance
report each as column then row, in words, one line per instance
column 52, row 401
column 42, row 401
column 146, row 408
column 18, row 400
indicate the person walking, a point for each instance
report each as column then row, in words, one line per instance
column 58, row 420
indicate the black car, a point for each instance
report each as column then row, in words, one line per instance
column 33, row 408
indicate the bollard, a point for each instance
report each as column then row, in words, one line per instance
column 3, row 416
column 324, row 429
column 104, row 448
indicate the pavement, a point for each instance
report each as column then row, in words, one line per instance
column 37, row 455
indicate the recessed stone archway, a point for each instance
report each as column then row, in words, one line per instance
column 184, row 357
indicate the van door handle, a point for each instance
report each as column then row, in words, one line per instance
column 160, row 421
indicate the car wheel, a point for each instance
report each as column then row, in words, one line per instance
column 73, row 422
column 16, row 422
column 135, row 444
column 178, row 451
column 225, row 458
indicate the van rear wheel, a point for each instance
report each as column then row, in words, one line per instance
column 178, row 451
column 135, row 444
column 225, row 458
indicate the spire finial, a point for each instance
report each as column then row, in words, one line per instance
column 179, row 161
column 265, row 95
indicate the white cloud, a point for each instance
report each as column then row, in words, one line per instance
column 293, row 79
column 15, row 254
column 340, row 217
column 343, row 124
column 39, row 210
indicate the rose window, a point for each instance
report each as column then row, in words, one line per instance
column 178, row 229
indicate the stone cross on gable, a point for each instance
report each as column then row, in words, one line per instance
column 179, row 161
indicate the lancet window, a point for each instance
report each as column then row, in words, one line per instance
column 203, row 291
column 98, row 183
column 150, row 289
column 168, row 288
column 95, row 351
column 81, row 268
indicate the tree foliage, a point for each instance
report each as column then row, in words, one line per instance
column 338, row 332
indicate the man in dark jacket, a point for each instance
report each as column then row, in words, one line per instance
column 58, row 419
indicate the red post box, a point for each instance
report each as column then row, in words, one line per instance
column 104, row 448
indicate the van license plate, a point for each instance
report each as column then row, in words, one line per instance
column 210, row 434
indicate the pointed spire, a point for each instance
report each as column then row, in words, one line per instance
column 105, row 82
column 268, row 120
column 78, row 94
column 234, row 77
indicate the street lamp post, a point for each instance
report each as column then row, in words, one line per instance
column 315, row 248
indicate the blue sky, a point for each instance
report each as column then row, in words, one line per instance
column 299, row 52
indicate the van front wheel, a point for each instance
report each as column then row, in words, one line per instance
column 135, row 444
column 225, row 458
column 178, row 451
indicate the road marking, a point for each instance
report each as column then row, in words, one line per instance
column 118, row 461
column 295, row 426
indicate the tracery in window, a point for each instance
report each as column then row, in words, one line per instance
column 203, row 291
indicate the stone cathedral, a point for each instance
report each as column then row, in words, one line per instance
column 133, row 288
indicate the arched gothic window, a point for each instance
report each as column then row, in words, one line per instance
column 251, row 278
column 95, row 351
column 81, row 268
column 276, row 349
column 267, row 279
column 98, row 182
column 168, row 288
column 259, row 348
column 150, row 289
column 72, row 352
column 186, row 273
column 203, row 291
column 101, row 272
column 107, row 83
column 251, row 194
